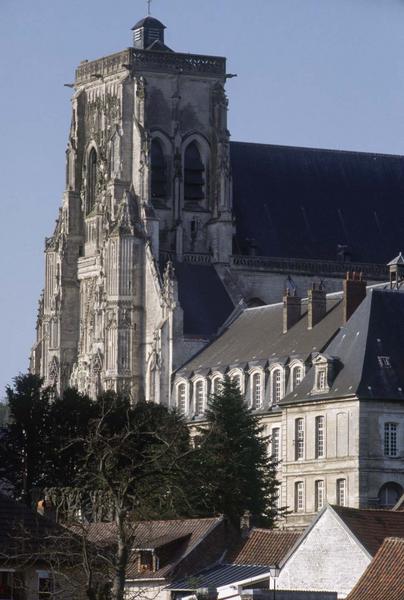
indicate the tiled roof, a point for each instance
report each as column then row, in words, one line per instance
column 372, row 527
column 184, row 535
column 19, row 524
column 305, row 202
column 384, row 577
column 263, row 547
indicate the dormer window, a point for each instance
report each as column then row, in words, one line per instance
column 199, row 397
column 323, row 373
column 182, row 398
column 256, row 390
column 276, row 385
column 146, row 561
column 296, row 376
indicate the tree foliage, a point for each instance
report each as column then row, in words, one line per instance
column 237, row 470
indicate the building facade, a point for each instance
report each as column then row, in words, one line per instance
column 170, row 237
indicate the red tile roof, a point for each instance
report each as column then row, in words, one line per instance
column 263, row 547
column 384, row 577
column 372, row 527
column 183, row 535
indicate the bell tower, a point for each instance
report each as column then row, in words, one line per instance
column 148, row 173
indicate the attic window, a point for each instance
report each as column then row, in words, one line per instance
column 146, row 562
column 321, row 380
column 384, row 362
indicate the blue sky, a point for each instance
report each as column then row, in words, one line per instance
column 326, row 73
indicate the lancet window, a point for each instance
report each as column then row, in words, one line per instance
column 158, row 171
column 91, row 180
column 194, row 174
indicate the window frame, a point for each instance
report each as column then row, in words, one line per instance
column 296, row 366
column 276, row 368
column 319, row 494
column 300, row 438
column 299, row 504
column 216, row 377
column 277, row 456
column 390, row 439
column 196, row 382
column 178, row 384
column 341, row 488
column 238, row 373
column 253, row 388
column 317, row 431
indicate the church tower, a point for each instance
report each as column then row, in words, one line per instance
column 147, row 175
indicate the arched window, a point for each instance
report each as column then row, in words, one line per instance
column 237, row 378
column 199, row 398
column 91, row 179
column 389, row 494
column 297, row 376
column 216, row 384
column 256, row 391
column 194, row 174
column 182, row 398
column 158, row 171
column 276, row 386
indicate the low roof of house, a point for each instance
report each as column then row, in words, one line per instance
column 218, row 576
column 307, row 202
column 263, row 547
column 23, row 530
column 256, row 337
column 183, row 535
column 384, row 577
column 368, row 353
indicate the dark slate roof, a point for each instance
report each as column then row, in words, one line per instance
column 304, row 202
column 256, row 336
column 384, row 577
column 376, row 329
column 263, row 547
column 218, row 576
column 371, row 527
column 149, row 22
column 203, row 297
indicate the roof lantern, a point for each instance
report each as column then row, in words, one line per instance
column 148, row 33
column 396, row 270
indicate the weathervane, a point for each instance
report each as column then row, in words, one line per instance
column 149, row 7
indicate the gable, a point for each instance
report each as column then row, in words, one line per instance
column 328, row 558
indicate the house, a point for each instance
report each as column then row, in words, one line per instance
column 31, row 564
column 384, row 577
column 248, row 559
column 167, row 550
column 326, row 379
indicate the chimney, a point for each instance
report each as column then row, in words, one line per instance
column 316, row 305
column 354, row 293
column 245, row 524
column 291, row 310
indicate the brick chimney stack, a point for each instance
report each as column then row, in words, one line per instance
column 354, row 293
column 292, row 308
column 316, row 305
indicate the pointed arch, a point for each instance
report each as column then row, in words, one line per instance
column 91, row 179
column 194, row 174
column 158, row 171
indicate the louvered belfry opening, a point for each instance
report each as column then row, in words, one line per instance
column 194, row 174
column 158, row 172
column 91, row 180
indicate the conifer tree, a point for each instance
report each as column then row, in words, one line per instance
column 235, row 465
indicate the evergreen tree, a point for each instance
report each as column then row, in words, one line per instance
column 234, row 462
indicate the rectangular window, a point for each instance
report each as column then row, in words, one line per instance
column 390, row 439
column 341, row 492
column 321, row 379
column 199, row 398
column 299, row 439
column 6, row 585
column 45, row 585
column 275, row 443
column 320, row 449
column 299, row 496
column 319, row 494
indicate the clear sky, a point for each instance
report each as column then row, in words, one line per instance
column 326, row 73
